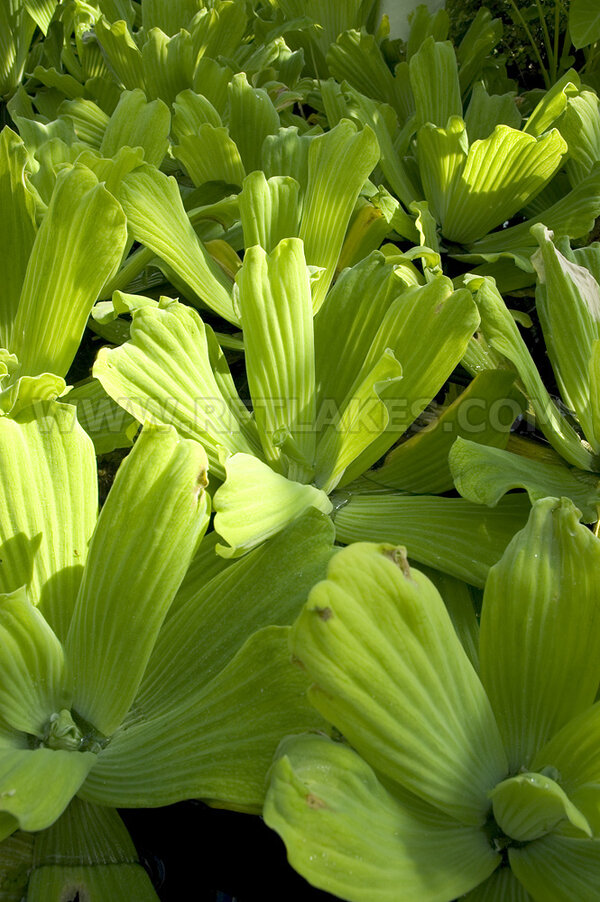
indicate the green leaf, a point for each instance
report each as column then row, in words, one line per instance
column 147, row 531
column 573, row 753
column 190, row 112
column 580, row 127
column 32, row 664
column 428, row 329
column 171, row 18
column 157, row 219
column 109, row 426
column 59, row 290
column 36, row 785
column 210, row 155
column 450, row 534
column 434, row 82
column 17, row 226
column 484, row 113
column 500, row 175
column 531, row 805
column 540, row 641
column 255, row 503
column 459, row 601
column 390, row 673
column 16, row 856
column 268, row 209
column 558, row 868
column 275, row 305
column 252, row 117
column 483, row 475
column 568, row 304
column 89, row 121
column 41, row 11
column 339, row 163
column 136, row 123
column 321, row 796
column 87, row 850
column 173, row 372
column 483, row 412
column 502, row 886
column 48, row 505
column 553, row 104
column 584, row 22
column 218, row 743
column 267, row 586
column 168, row 64
column 501, row 333
column 441, row 154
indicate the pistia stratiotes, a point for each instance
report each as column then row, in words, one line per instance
column 116, row 682
column 451, row 781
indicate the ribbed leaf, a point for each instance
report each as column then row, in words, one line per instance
column 574, row 753
column 122, row 53
column 428, row 329
column 210, row 156
column 17, row 227
column 48, row 505
column 172, row 371
column 219, row 743
column 255, row 503
column 276, row 311
column 157, row 219
column 531, row 805
column 146, row 534
column 558, row 868
column 501, row 333
column 87, row 851
column 500, row 175
column 339, row 163
column 483, row 475
column 441, row 153
column 252, row 117
column 483, row 413
column 540, row 629
column 16, row 853
column 136, row 123
column 553, row 104
column 168, row 64
column 33, row 682
column 321, row 797
column 450, row 534
column 88, row 225
column 568, row 304
column 269, row 209
column 459, row 601
column 580, row 127
column 502, row 886
column 109, row 426
column 390, row 673
column 484, row 113
column 434, row 82
column 36, row 785
column 267, row 586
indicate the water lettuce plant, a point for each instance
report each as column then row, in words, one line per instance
column 106, row 693
column 474, row 775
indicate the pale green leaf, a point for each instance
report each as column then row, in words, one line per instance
column 434, row 82
column 147, row 532
column 558, row 868
column 483, row 474
column 58, row 292
column 390, row 673
column 33, row 681
column 157, row 219
column 553, row 104
column 580, row 127
column 252, row 117
column 122, row 53
column 568, row 304
column 210, row 155
column 168, row 64
column 170, row 18
column 540, row 641
column 269, row 209
column 36, row 785
column 441, row 153
column 450, row 534
column 108, row 425
column 339, row 163
column 89, row 121
column 531, row 805
column 275, row 305
column 17, row 226
column 172, row 371
column 320, row 799
column 460, row 604
column 48, row 505
column 136, row 123
column 485, row 112
column 255, row 503
column 218, row 744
